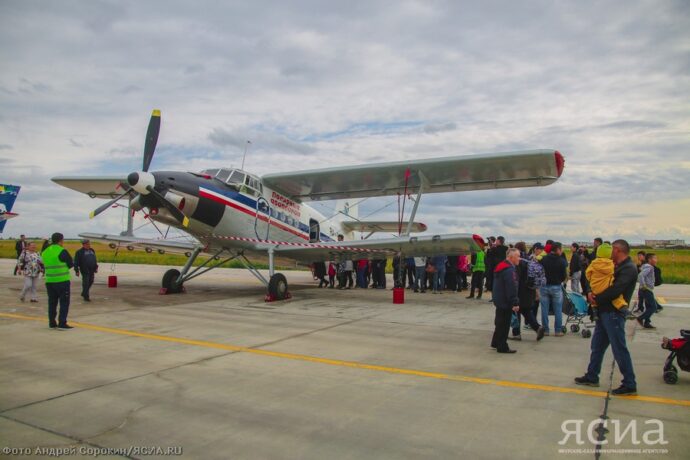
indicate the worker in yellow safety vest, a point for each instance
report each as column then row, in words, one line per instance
column 57, row 263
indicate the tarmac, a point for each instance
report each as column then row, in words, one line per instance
column 218, row 373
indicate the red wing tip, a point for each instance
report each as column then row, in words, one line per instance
column 479, row 240
column 560, row 162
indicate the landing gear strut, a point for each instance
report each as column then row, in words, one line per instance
column 173, row 280
column 277, row 284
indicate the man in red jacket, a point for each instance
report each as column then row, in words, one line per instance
column 505, row 299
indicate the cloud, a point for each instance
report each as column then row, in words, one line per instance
column 259, row 140
column 324, row 84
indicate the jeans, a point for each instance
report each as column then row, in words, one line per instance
column 649, row 305
column 30, row 284
column 86, row 283
column 439, row 279
column 420, row 279
column 361, row 277
column 58, row 292
column 552, row 296
column 610, row 330
column 575, row 284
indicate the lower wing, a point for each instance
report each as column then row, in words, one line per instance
column 146, row 244
column 415, row 246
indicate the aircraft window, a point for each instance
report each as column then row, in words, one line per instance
column 210, row 172
column 236, row 178
column 223, row 175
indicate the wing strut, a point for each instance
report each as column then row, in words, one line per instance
column 422, row 184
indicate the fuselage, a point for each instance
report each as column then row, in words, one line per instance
column 231, row 202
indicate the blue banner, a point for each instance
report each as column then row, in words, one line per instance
column 8, row 195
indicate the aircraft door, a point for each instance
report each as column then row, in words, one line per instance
column 262, row 223
column 314, row 231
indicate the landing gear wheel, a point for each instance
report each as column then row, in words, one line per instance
column 586, row 333
column 574, row 328
column 278, row 287
column 670, row 377
column 170, row 285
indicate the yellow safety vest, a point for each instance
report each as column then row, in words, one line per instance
column 56, row 270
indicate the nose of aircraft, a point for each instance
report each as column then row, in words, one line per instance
column 140, row 181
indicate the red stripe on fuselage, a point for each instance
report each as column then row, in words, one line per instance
column 228, row 202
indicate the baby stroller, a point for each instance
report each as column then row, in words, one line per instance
column 680, row 349
column 576, row 308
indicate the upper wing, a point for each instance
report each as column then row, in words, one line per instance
column 380, row 226
column 369, row 249
column 101, row 187
column 450, row 174
column 147, row 244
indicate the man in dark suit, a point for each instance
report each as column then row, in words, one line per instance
column 86, row 264
column 505, row 299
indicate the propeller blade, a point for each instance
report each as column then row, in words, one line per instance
column 151, row 138
column 177, row 214
column 105, row 206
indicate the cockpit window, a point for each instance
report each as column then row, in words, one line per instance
column 236, row 178
column 222, row 175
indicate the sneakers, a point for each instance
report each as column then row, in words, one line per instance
column 515, row 337
column 509, row 351
column 64, row 326
column 584, row 380
column 540, row 333
column 559, row 334
column 649, row 326
column 624, row 391
column 470, row 297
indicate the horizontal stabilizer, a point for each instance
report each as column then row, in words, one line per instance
column 380, row 226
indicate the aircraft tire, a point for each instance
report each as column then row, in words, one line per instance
column 278, row 287
column 169, row 282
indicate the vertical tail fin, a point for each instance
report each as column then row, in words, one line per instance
column 347, row 210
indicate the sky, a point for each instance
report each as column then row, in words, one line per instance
column 316, row 84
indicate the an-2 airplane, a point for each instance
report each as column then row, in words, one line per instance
column 232, row 212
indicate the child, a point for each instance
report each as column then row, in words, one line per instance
column 331, row 275
column 600, row 277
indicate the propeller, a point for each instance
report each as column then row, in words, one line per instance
column 143, row 182
column 151, row 138
column 105, row 206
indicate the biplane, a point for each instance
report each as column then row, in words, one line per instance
column 231, row 212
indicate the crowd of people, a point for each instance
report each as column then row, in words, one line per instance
column 54, row 263
column 522, row 280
